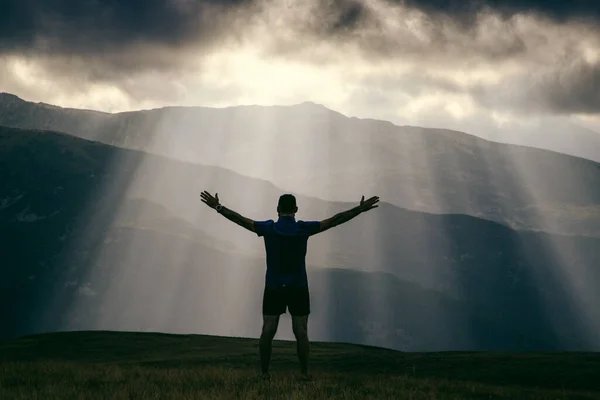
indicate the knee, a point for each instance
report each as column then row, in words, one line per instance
column 300, row 331
column 268, row 332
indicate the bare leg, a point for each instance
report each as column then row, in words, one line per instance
column 270, row 323
column 300, row 327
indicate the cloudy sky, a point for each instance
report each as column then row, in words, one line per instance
column 469, row 65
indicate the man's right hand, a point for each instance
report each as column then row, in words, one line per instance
column 369, row 204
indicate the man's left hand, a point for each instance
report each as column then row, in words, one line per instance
column 209, row 200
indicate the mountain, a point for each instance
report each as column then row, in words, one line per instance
column 554, row 134
column 99, row 237
column 311, row 150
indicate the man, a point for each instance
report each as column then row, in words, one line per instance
column 286, row 283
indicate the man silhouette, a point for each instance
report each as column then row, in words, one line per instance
column 286, row 283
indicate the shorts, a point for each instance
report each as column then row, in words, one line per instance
column 295, row 299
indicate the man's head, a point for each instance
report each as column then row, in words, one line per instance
column 287, row 205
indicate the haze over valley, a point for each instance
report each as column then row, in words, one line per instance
column 103, row 228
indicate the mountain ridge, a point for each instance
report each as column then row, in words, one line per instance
column 435, row 130
column 444, row 172
column 483, row 284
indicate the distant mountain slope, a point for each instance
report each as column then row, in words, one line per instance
column 311, row 150
column 95, row 236
column 555, row 135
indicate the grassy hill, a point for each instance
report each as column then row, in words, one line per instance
column 101, row 364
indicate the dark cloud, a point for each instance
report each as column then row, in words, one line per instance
column 559, row 10
column 569, row 88
column 91, row 26
column 351, row 14
column 113, row 41
column 116, row 41
column 348, row 14
column 96, row 26
column 575, row 89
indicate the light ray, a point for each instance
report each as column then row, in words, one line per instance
column 567, row 263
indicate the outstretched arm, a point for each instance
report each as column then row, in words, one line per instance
column 231, row 215
column 346, row 216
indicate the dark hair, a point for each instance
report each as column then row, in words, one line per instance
column 287, row 204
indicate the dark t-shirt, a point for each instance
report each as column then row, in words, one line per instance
column 285, row 244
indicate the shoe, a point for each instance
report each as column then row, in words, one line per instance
column 306, row 378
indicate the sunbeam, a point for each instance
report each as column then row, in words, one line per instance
column 485, row 156
column 568, row 267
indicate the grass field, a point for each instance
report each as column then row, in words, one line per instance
column 128, row 365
